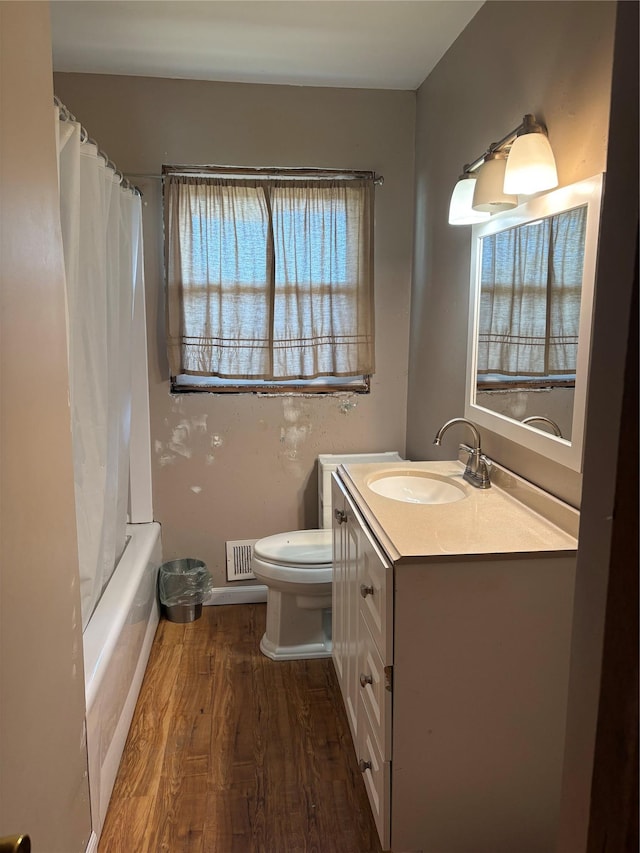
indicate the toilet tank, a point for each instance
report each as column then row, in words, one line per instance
column 327, row 464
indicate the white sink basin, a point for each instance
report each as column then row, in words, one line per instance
column 418, row 487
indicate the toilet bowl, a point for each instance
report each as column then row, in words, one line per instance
column 297, row 569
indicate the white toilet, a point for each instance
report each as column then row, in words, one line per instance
column 297, row 570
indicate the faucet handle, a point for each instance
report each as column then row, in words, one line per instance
column 478, row 468
column 485, row 464
column 483, row 471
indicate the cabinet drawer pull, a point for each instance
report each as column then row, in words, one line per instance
column 365, row 590
column 364, row 765
column 340, row 516
column 365, row 679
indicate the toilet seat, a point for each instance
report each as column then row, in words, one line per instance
column 304, row 549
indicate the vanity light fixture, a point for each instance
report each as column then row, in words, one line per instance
column 460, row 210
column 531, row 167
column 521, row 163
column 489, row 195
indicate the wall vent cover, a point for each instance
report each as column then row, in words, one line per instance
column 239, row 554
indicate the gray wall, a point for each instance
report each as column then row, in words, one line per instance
column 235, row 467
column 608, row 549
column 550, row 59
column 43, row 755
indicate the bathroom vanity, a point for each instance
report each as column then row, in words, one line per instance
column 451, row 638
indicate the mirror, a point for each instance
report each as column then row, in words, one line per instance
column 532, row 280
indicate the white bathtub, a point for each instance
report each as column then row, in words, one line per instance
column 117, row 642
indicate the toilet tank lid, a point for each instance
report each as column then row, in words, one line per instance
column 300, row 547
column 328, row 462
column 332, row 460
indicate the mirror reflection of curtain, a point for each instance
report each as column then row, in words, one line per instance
column 530, row 297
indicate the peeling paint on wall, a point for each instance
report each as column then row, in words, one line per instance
column 180, row 437
column 166, row 459
column 187, row 437
column 199, row 423
column 347, row 404
column 196, row 489
column 295, row 431
column 215, row 442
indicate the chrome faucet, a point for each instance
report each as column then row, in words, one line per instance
column 555, row 429
column 477, row 470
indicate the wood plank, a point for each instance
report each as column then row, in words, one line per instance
column 230, row 752
column 141, row 761
column 127, row 825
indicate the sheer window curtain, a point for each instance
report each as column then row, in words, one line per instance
column 269, row 279
column 530, row 297
column 101, row 234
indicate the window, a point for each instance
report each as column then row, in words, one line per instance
column 269, row 281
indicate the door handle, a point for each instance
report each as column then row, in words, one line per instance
column 15, row 844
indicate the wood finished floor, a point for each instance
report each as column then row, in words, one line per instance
column 230, row 752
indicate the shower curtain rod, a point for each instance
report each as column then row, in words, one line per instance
column 221, row 171
column 67, row 115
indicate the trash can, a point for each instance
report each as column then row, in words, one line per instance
column 183, row 585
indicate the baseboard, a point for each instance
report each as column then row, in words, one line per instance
column 92, row 846
column 254, row 594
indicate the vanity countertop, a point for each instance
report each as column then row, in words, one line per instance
column 512, row 517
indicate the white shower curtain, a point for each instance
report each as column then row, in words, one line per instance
column 102, row 238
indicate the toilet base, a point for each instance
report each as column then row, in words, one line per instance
column 305, row 651
column 297, row 630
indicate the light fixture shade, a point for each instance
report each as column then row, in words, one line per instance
column 460, row 209
column 531, row 166
column 489, row 195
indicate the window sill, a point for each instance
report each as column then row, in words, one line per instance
column 325, row 385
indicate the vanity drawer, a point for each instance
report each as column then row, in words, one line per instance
column 372, row 686
column 376, row 774
column 375, row 594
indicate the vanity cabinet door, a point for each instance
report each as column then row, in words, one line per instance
column 375, row 689
column 376, row 772
column 345, row 604
column 362, row 610
column 340, row 625
column 375, row 592
column 362, row 648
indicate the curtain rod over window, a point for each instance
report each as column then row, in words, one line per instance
column 263, row 171
column 66, row 115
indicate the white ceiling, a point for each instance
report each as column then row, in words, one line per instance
column 378, row 44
